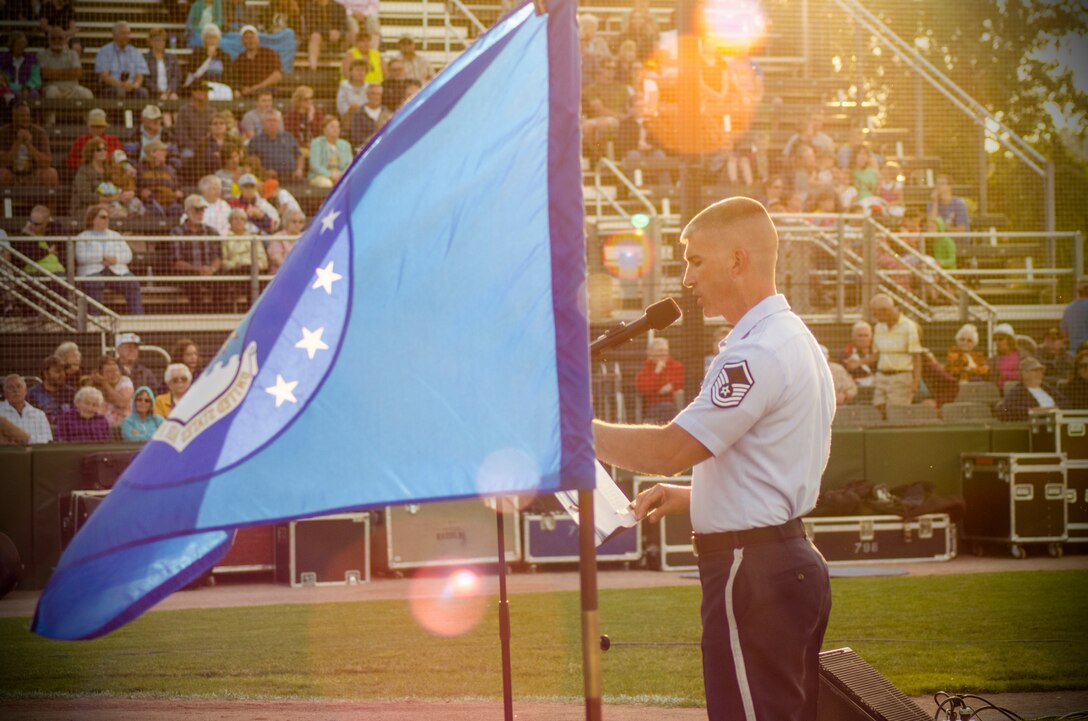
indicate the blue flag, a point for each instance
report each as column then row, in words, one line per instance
column 426, row 340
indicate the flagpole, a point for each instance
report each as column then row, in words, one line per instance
column 591, row 644
column 504, row 617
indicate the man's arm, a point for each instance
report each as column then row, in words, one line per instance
column 12, row 433
column 916, row 378
column 658, row 450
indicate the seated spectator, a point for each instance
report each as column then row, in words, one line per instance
column 803, row 170
column 844, row 188
column 351, row 94
column 965, row 361
column 102, row 253
column 286, row 14
column 592, row 47
column 330, row 155
column 195, row 120
column 151, row 129
column 238, row 248
column 808, row 133
column 202, row 257
column 25, row 157
column 164, row 71
column 890, row 189
column 208, row 156
column 96, row 128
column 121, row 197
column 866, row 176
column 277, row 196
column 187, row 353
column 395, row 87
column 53, row 395
column 212, row 65
column 47, row 255
column 1055, row 357
column 142, row 423
column 84, row 423
column 121, row 68
column 370, row 118
column 304, row 121
column 1005, row 365
column 859, row 357
column 605, row 103
column 158, row 181
column 938, row 385
column 239, row 14
column 641, row 27
column 1076, row 389
column 256, row 68
column 250, row 125
column 1030, row 393
column 774, row 190
column 325, row 23
column 364, row 49
column 116, row 390
column 230, row 172
column 202, row 14
column 944, row 247
column 410, row 89
column 60, row 15
column 945, row 205
column 128, row 358
column 216, row 210
column 20, row 422
column 261, row 217
column 92, row 177
column 658, row 381
column 277, row 149
column 62, row 70
column 284, row 241
column 20, row 69
column 416, row 67
column 846, row 388
column 70, row 355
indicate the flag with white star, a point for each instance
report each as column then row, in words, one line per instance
column 425, row 340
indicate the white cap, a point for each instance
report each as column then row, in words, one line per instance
column 123, row 338
column 1004, row 329
column 247, row 29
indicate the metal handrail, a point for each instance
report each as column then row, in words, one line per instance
column 635, row 191
column 58, row 308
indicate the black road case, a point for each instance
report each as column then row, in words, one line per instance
column 81, row 504
column 553, row 538
column 880, row 539
column 448, row 533
column 324, row 551
column 1056, row 431
column 1076, row 496
column 1014, row 499
column 667, row 543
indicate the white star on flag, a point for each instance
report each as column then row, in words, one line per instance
column 328, row 219
column 283, row 391
column 325, row 278
column 311, row 341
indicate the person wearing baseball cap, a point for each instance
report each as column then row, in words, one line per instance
column 96, row 128
column 1005, row 363
column 157, row 180
column 128, row 357
column 258, row 211
column 1030, row 394
column 194, row 119
column 256, row 68
column 197, row 255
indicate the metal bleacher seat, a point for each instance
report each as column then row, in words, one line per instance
column 915, row 414
column 857, row 415
column 984, row 392
column 967, row 412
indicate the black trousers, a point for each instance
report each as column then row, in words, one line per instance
column 765, row 608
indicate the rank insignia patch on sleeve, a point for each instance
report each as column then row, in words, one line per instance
column 732, row 385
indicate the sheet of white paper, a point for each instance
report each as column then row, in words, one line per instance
column 611, row 508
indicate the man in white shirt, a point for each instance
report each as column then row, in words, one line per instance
column 21, row 422
column 758, row 436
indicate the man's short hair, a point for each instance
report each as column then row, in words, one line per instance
column 358, row 63
column 52, row 362
column 12, row 379
column 725, row 213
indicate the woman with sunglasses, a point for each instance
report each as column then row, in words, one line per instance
column 102, row 253
column 142, row 423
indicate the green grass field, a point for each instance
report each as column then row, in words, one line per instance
column 981, row 633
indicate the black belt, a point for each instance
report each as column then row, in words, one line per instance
column 704, row 543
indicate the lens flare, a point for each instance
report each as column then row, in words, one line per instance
column 447, row 601
column 732, row 26
column 628, row 255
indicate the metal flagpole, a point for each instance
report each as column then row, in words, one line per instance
column 591, row 644
column 504, row 618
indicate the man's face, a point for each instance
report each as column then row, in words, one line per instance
column 374, row 96
column 15, row 392
column 55, row 376
column 944, row 189
column 249, row 192
column 270, row 124
column 250, row 41
column 396, row 70
column 152, row 125
column 97, row 131
column 157, row 157
column 56, row 42
column 20, row 117
column 195, row 215
column 129, row 353
column 658, row 352
column 264, row 102
column 708, row 273
column 1032, row 378
column 885, row 313
column 862, row 336
column 120, row 35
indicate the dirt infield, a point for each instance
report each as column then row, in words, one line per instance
column 1027, row 705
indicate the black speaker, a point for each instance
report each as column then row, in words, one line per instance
column 852, row 690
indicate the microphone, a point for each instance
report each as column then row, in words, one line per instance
column 658, row 316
